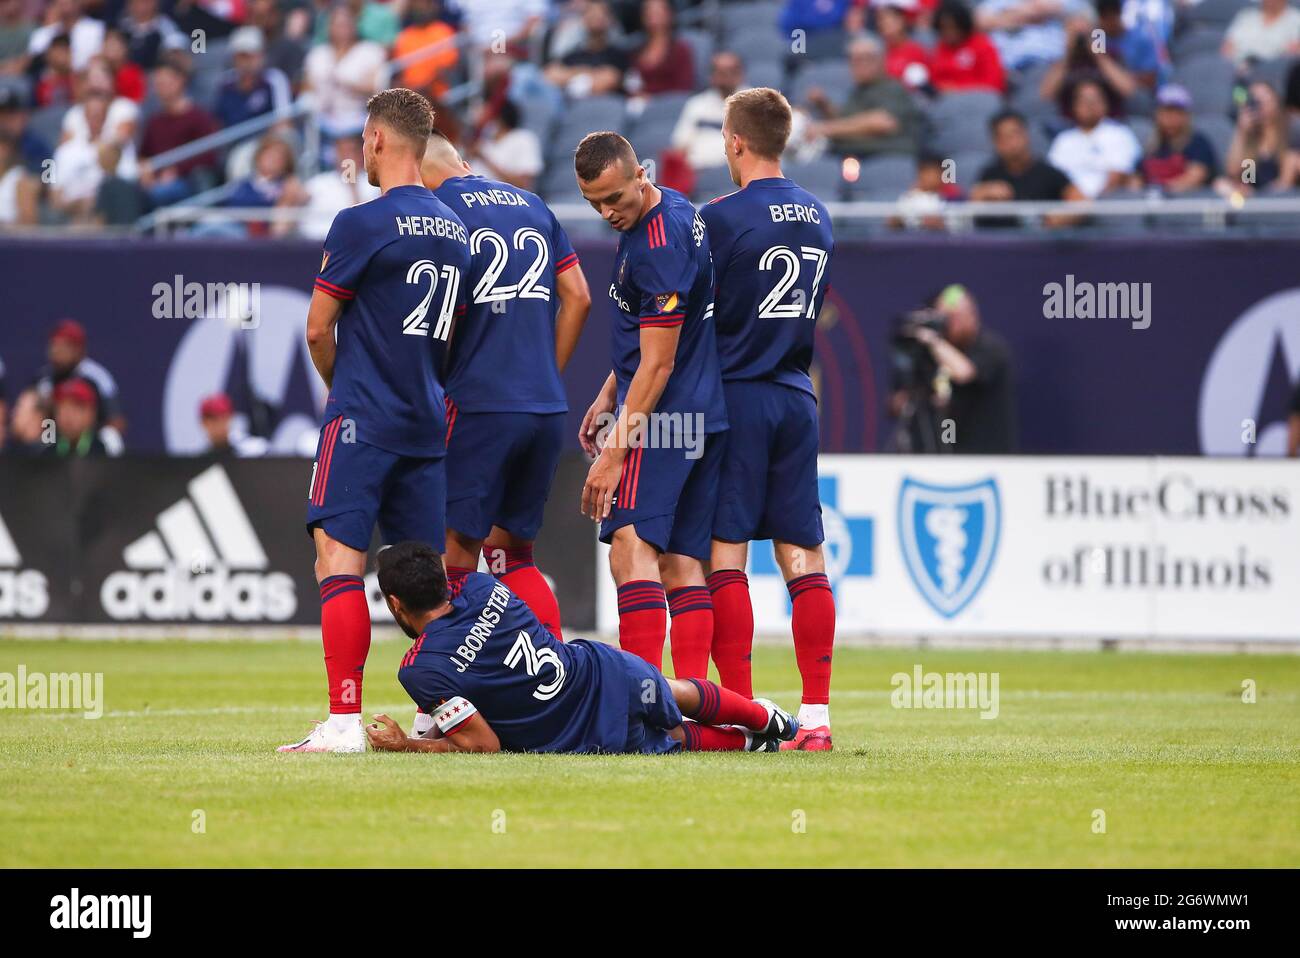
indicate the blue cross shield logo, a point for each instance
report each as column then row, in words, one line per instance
column 949, row 538
column 848, row 545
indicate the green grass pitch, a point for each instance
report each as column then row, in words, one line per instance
column 1185, row 772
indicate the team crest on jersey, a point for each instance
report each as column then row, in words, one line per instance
column 666, row 302
column 949, row 538
column 622, row 271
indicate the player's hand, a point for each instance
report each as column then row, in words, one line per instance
column 386, row 735
column 592, row 422
column 602, row 480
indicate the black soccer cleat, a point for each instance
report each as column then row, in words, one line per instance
column 781, row 725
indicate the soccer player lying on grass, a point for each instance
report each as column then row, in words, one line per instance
column 495, row 680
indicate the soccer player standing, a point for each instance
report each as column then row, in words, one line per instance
column 654, row 482
column 389, row 289
column 771, row 243
column 528, row 302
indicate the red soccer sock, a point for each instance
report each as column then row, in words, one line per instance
column 813, row 622
column 719, row 706
column 642, row 620
column 706, row 738
column 692, row 631
column 345, row 633
column 524, row 579
column 456, row 579
column 733, row 630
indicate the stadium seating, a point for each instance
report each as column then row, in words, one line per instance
column 1208, row 78
column 882, row 178
column 959, row 121
column 831, row 75
column 651, row 130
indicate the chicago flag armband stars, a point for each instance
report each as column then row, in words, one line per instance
column 453, row 713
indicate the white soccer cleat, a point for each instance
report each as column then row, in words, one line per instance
column 326, row 738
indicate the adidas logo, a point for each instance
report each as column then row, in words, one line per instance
column 24, row 593
column 203, row 561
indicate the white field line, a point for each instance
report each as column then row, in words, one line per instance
column 787, row 694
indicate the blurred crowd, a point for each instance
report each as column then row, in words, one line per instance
column 932, row 100
column 70, row 408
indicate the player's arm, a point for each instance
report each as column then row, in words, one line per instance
column 471, row 735
column 575, row 304
column 322, row 316
column 658, row 353
column 602, row 406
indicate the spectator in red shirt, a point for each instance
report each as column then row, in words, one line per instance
column 128, row 78
column 179, row 121
column 55, row 85
column 963, row 59
column 905, row 59
column 665, row 62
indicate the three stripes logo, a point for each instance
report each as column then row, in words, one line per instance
column 203, row 561
column 24, row 593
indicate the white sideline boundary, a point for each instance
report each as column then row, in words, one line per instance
column 974, row 642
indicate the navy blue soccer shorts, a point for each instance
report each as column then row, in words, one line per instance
column 354, row 485
column 669, row 497
column 768, row 486
column 500, row 466
column 651, row 709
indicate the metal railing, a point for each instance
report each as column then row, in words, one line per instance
column 1214, row 214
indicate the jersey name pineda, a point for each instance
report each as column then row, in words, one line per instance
column 431, row 226
column 793, row 213
column 493, row 198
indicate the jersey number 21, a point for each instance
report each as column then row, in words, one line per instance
column 416, row 322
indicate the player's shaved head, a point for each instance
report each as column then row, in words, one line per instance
column 405, row 113
column 412, row 574
column 598, row 151
column 762, row 118
column 441, row 161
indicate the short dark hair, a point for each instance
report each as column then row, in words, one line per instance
column 599, row 151
column 960, row 15
column 1002, row 116
column 762, row 117
column 408, row 113
column 413, row 572
column 1110, row 6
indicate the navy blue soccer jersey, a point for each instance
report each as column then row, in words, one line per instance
column 663, row 276
column 490, row 656
column 398, row 264
column 772, row 246
column 503, row 351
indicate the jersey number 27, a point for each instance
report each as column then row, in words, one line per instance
column 773, row 305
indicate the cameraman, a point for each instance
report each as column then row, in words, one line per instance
column 964, row 397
